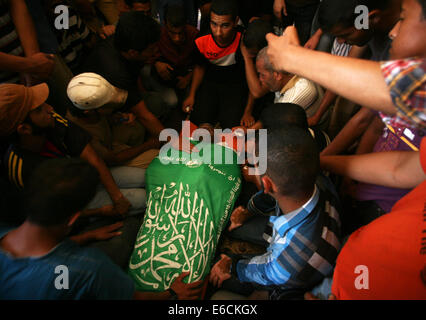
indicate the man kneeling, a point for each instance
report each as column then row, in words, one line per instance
column 301, row 232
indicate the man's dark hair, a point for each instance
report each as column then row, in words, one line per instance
column 175, row 15
column 136, row 31
column 293, row 161
column 131, row 2
column 333, row 13
column 278, row 114
column 225, row 7
column 255, row 35
column 59, row 188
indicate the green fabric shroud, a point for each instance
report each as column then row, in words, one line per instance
column 188, row 206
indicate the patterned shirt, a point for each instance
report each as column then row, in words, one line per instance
column 303, row 244
column 406, row 80
column 340, row 49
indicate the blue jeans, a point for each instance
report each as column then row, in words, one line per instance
column 131, row 182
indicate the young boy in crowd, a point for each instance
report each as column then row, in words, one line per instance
column 218, row 91
column 171, row 73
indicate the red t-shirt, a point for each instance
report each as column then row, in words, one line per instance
column 386, row 258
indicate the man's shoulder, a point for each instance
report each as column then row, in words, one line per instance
column 305, row 83
column 19, row 163
column 203, row 39
column 85, row 267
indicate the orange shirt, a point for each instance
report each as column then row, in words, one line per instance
column 386, row 258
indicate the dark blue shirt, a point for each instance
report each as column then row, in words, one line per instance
column 91, row 275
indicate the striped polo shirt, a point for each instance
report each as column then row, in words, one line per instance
column 9, row 41
column 303, row 244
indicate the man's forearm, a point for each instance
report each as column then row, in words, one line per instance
column 147, row 118
column 105, row 176
column 24, row 26
column 197, row 78
column 253, row 82
column 250, row 104
column 395, row 169
column 9, row 62
column 327, row 100
column 132, row 152
column 370, row 136
column 353, row 129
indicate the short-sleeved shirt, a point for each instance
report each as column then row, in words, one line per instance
column 66, row 139
column 108, row 62
column 86, row 273
column 223, row 65
column 406, row 80
column 387, row 255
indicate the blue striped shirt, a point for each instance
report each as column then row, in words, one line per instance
column 303, row 245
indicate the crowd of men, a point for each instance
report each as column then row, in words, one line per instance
column 339, row 212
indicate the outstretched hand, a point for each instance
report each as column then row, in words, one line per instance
column 238, row 217
column 107, row 232
column 221, row 271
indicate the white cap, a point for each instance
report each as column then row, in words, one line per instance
column 90, row 91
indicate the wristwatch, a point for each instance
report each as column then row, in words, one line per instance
column 173, row 294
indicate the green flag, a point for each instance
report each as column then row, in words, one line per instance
column 188, row 206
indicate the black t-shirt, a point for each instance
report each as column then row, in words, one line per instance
column 107, row 61
column 66, row 139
